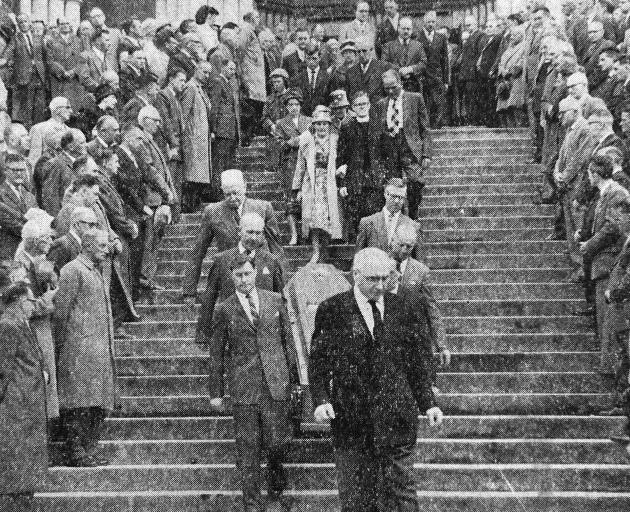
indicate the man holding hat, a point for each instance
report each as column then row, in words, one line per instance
column 338, row 78
column 221, row 221
column 575, row 151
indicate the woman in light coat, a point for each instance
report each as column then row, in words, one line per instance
column 510, row 72
column 315, row 183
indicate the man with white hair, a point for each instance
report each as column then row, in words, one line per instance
column 597, row 45
column 577, row 85
column 220, row 222
column 60, row 113
column 377, row 353
column 97, row 18
column 360, row 26
column 67, row 247
column 220, row 284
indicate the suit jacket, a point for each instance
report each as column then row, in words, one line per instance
column 63, row 250
column 224, row 110
column 63, row 56
column 373, row 233
column 218, row 222
column 38, row 134
column 273, row 110
column 415, row 285
column 318, row 95
column 169, row 134
column 184, row 61
column 220, row 284
column 293, row 64
column 398, row 56
column 371, row 81
column 158, row 174
column 471, row 52
column 12, row 211
column 114, row 206
column 352, row 30
column 262, row 359
column 285, row 131
column 56, row 178
column 594, row 73
column 27, row 64
column 437, row 67
column 130, row 111
column 90, row 69
column 345, row 362
column 488, row 56
column 606, row 241
column 575, row 151
column 133, row 185
column 357, row 150
column 385, row 32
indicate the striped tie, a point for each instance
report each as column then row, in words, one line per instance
column 253, row 311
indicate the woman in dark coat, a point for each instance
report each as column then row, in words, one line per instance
column 23, row 442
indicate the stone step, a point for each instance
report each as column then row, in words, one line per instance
column 440, row 168
column 320, row 451
column 519, row 224
column 451, row 477
column 481, row 188
column 488, row 210
column 466, row 382
column 456, row 235
column 463, row 427
column 453, row 149
column 472, row 200
column 460, row 362
column 498, row 178
column 327, row 501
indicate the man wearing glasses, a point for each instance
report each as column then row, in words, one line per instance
column 67, row 247
column 360, row 27
column 60, row 111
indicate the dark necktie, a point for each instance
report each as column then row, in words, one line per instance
column 253, row 311
column 379, row 327
column 406, row 53
column 237, row 217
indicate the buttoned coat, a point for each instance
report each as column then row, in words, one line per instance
column 23, row 63
column 471, row 50
column 220, row 284
column 312, row 96
column 160, row 186
column 371, row 81
column 437, row 69
column 57, row 175
column 132, row 184
column 286, row 129
column 218, row 223
column 341, row 372
column 83, row 330
column 259, row 358
column 353, row 30
column 385, row 32
column 395, row 53
column 63, row 56
column 196, row 142
column 90, row 69
column 224, row 111
column 252, row 64
column 23, row 436
column 304, row 181
column 594, row 73
column 293, row 64
column 605, row 243
column 373, row 233
column 575, row 151
column 63, row 250
column 171, row 130
column 12, row 211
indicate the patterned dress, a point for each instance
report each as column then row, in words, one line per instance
column 320, row 218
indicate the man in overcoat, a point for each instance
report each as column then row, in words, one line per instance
column 371, row 374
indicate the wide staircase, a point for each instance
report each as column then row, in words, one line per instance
column 520, row 396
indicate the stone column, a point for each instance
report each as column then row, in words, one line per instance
column 56, row 9
column 73, row 12
column 39, row 10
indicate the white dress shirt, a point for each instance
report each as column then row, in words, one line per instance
column 403, row 267
column 242, row 250
column 366, row 309
column 242, row 298
column 391, row 221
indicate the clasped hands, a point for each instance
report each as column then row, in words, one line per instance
column 325, row 412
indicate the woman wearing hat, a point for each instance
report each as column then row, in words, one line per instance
column 273, row 110
column 287, row 134
column 315, row 183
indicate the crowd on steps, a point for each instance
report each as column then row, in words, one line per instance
column 111, row 134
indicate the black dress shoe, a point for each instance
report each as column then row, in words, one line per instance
column 87, row 461
column 121, row 334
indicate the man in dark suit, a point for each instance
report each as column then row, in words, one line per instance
column 377, row 230
column 485, row 63
column 413, row 285
column 25, row 58
column 187, row 56
column 15, row 201
column 405, row 143
column 407, row 56
column 437, row 72
column 67, row 247
column 251, row 341
column 371, row 373
column 367, row 74
column 597, row 45
column 224, row 120
column 296, row 61
column 146, row 92
column 387, row 30
column 107, row 133
column 221, row 221
column 468, row 74
column 220, row 285
column 313, row 81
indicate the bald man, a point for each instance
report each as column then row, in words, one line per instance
column 67, row 247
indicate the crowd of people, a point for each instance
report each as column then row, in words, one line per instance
column 111, row 134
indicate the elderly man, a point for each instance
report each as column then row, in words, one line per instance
column 197, row 115
column 93, row 63
column 367, row 74
column 220, row 285
column 437, row 71
column 57, row 173
column 360, row 27
column 225, row 121
column 251, row 339
column 295, row 61
column 405, row 142
column 413, row 285
column 84, row 338
column 25, row 58
column 60, row 113
column 468, row 74
column 145, row 93
column 221, row 221
column 36, row 243
column 374, row 349
column 407, row 56
column 97, row 19
column 188, row 55
column 590, row 60
column 107, row 133
column 15, row 202
column 67, row 247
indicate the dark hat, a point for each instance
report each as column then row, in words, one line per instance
column 102, row 92
column 601, row 165
column 146, row 78
column 163, row 34
column 293, row 93
column 280, row 72
column 339, row 99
